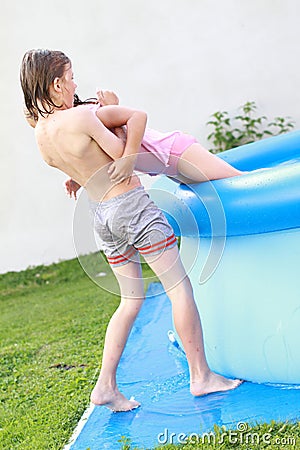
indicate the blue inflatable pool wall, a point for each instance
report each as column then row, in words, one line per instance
column 240, row 244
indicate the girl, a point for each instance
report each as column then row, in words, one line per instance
column 175, row 154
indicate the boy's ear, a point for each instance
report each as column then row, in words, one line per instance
column 57, row 84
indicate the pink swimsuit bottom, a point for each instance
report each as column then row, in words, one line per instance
column 181, row 143
column 160, row 152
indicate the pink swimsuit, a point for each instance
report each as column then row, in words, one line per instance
column 160, row 152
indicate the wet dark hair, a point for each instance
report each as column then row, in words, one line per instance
column 39, row 69
column 78, row 102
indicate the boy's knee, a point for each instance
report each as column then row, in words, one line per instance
column 182, row 290
column 132, row 305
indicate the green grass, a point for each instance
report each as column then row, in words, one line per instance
column 49, row 316
column 272, row 436
column 52, row 326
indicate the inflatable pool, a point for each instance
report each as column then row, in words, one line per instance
column 240, row 243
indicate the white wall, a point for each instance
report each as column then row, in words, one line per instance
column 179, row 60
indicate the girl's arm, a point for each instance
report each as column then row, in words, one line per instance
column 107, row 97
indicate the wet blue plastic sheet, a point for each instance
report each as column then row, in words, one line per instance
column 155, row 372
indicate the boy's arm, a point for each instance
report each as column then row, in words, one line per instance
column 87, row 122
column 135, row 121
column 106, row 98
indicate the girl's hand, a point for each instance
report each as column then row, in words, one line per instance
column 122, row 169
column 72, row 187
column 107, row 98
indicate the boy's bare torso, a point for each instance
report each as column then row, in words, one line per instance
column 64, row 144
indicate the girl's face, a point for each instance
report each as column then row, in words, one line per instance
column 68, row 87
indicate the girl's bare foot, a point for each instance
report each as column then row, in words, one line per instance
column 213, row 383
column 113, row 399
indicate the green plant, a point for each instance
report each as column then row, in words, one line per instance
column 243, row 128
column 125, row 442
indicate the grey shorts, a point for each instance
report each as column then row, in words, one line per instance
column 129, row 224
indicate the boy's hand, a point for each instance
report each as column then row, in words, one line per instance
column 122, row 169
column 72, row 187
column 107, row 98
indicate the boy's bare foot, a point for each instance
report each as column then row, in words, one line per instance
column 213, row 383
column 113, row 399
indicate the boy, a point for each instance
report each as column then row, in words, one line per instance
column 76, row 142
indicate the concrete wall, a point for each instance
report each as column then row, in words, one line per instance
column 179, row 60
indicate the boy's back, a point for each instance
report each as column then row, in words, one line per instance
column 65, row 142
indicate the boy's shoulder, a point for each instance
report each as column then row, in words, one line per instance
column 80, row 111
column 79, row 115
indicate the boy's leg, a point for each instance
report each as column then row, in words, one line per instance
column 168, row 267
column 198, row 164
column 132, row 295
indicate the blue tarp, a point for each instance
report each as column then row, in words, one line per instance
column 155, row 372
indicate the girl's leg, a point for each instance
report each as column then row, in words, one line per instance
column 132, row 295
column 197, row 164
column 171, row 272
